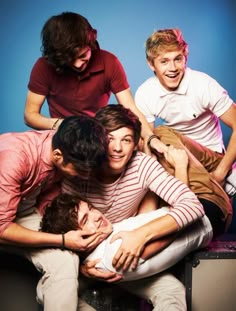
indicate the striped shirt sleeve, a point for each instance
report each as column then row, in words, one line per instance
column 185, row 207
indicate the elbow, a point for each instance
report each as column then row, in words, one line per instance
column 27, row 119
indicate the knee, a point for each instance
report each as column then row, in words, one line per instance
column 67, row 261
column 56, row 261
column 59, row 271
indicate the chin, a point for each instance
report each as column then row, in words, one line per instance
column 172, row 88
column 108, row 229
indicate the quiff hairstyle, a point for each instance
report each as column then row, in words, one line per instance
column 165, row 40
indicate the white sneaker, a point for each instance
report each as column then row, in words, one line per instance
column 230, row 185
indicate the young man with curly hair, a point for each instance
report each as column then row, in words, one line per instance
column 74, row 75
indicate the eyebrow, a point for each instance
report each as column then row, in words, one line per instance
column 81, row 220
column 125, row 136
column 182, row 55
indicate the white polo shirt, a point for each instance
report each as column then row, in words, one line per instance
column 193, row 109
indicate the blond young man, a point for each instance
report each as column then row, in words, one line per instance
column 189, row 101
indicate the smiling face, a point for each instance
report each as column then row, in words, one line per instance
column 169, row 67
column 120, row 149
column 91, row 219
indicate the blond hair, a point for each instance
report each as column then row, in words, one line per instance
column 164, row 41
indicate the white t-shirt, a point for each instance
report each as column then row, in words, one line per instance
column 106, row 250
column 197, row 235
column 193, row 109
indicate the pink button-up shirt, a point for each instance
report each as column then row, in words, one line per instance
column 28, row 178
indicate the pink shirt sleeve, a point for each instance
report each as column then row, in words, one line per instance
column 12, row 170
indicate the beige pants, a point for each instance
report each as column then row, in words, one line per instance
column 163, row 291
column 58, row 287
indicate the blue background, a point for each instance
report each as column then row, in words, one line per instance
column 209, row 27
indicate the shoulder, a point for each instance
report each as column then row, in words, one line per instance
column 42, row 65
column 105, row 56
column 142, row 161
column 147, row 96
column 148, row 87
column 41, row 61
column 23, row 139
column 19, row 144
column 201, row 83
column 200, row 76
column 108, row 55
column 148, row 83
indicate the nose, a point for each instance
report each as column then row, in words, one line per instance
column 97, row 216
column 80, row 62
column 172, row 65
column 96, row 220
column 116, row 145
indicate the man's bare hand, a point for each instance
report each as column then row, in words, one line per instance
column 88, row 269
column 131, row 247
column 176, row 157
column 219, row 177
column 84, row 241
column 157, row 146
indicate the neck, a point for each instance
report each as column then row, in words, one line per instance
column 107, row 177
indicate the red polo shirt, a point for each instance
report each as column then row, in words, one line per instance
column 74, row 93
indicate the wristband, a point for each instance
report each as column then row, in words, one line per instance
column 54, row 124
column 150, row 139
column 63, row 241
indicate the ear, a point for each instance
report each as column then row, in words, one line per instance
column 57, row 156
column 150, row 64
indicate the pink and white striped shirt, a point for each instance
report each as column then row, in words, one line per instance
column 121, row 199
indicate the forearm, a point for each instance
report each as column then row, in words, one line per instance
column 32, row 113
column 40, row 122
column 126, row 99
column 17, row 235
column 157, row 246
column 159, row 228
column 229, row 157
column 181, row 172
column 146, row 128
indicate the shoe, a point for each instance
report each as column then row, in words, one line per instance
column 230, row 185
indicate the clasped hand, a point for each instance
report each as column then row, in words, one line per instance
column 126, row 257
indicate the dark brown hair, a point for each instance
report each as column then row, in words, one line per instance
column 61, row 215
column 62, row 35
column 114, row 117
